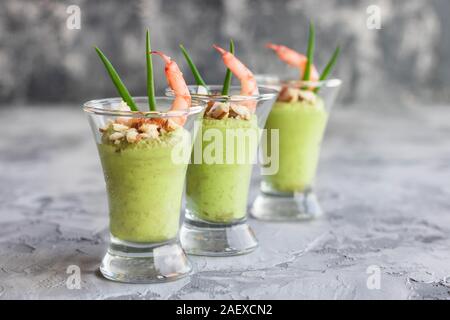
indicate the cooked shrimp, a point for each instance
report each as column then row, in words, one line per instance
column 245, row 76
column 177, row 83
column 295, row 59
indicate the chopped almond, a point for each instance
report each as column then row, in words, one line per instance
column 136, row 122
column 136, row 129
column 170, row 125
column 160, row 122
column 132, row 135
column 148, row 127
column 288, row 95
column 150, row 131
column 240, row 112
column 123, row 120
column 141, row 136
column 120, row 127
column 106, row 126
column 209, row 106
column 219, row 110
column 116, row 136
column 306, row 95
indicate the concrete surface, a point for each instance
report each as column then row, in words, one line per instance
column 408, row 59
column 384, row 182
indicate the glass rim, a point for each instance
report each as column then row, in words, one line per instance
column 330, row 83
column 92, row 106
column 276, row 80
column 232, row 98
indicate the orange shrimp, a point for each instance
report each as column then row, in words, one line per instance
column 249, row 86
column 177, row 83
column 295, row 59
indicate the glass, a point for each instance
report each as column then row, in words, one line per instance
column 217, row 188
column 300, row 118
column 144, row 177
column 269, row 80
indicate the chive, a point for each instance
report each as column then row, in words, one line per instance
column 123, row 91
column 309, row 53
column 329, row 66
column 227, row 80
column 198, row 78
column 150, row 82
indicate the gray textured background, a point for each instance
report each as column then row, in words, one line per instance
column 407, row 61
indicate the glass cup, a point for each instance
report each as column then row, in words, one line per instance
column 218, row 177
column 144, row 183
column 269, row 80
column 300, row 116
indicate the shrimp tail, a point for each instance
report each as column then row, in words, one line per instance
column 294, row 59
column 249, row 86
column 272, row 46
column 177, row 83
column 166, row 59
column 221, row 50
column 245, row 76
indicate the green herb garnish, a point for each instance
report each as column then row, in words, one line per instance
column 198, row 78
column 123, row 91
column 227, row 81
column 150, row 81
column 309, row 53
column 329, row 66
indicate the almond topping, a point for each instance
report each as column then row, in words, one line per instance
column 209, row 106
column 120, row 127
column 116, row 136
column 123, row 120
column 288, row 95
column 132, row 135
column 219, row 110
column 106, row 126
column 307, row 96
column 152, row 132
column 142, row 136
column 171, row 125
column 239, row 111
column 148, row 127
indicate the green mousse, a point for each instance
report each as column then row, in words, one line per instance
column 301, row 127
column 217, row 192
column 144, row 187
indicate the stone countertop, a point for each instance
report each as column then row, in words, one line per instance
column 384, row 183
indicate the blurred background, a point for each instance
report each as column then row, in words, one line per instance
column 406, row 62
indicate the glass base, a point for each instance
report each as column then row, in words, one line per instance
column 286, row 207
column 203, row 238
column 144, row 263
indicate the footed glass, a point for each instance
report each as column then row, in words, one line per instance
column 300, row 118
column 218, row 177
column 144, row 157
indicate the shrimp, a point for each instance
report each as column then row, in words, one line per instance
column 249, row 86
column 295, row 59
column 177, row 83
